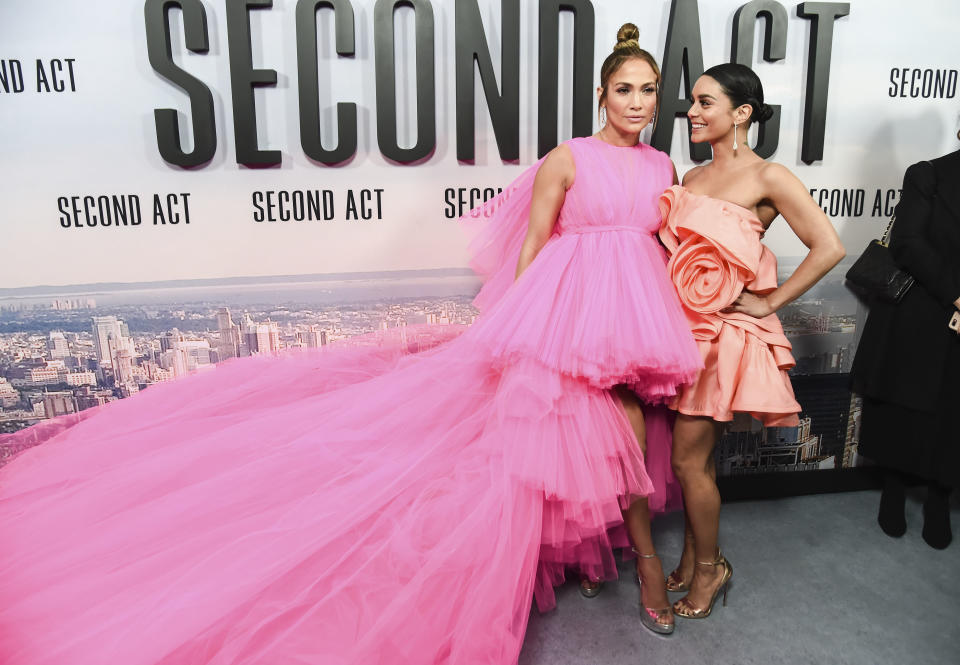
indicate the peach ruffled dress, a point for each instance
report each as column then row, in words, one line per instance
column 715, row 254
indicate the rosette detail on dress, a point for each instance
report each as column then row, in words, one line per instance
column 716, row 254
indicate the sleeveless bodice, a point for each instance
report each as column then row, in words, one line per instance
column 616, row 188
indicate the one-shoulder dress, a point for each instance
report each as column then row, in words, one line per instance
column 397, row 501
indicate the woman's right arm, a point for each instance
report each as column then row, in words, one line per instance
column 908, row 241
column 550, row 187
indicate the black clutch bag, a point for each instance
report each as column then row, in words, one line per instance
column 875, row 273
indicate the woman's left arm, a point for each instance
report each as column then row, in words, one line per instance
column 792, row 200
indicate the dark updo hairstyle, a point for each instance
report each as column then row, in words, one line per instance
column 627, row 48
column 742, row 86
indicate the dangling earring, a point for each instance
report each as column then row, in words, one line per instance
column 735, row 125
column 603, row 117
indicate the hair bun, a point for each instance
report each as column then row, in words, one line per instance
column 764, row 113
column 627, row 35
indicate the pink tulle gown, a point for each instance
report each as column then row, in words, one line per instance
column 368, row 504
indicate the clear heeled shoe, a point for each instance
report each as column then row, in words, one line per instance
column 590, row 588
column 652, row 618
column 685, row 609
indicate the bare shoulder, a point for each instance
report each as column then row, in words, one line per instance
column 691, row 175
column 558, row 165
column 559, row 157
column 774, row 177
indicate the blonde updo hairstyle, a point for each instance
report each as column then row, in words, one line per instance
column 627, row 48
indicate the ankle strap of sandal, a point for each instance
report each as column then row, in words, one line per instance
column 643, row 556
column 716, row 562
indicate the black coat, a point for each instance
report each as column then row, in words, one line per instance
column 907, row 356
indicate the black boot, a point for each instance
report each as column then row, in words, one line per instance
column 891, row 517
column 936, row 516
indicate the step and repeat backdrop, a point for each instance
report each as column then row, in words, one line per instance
column 187, row 181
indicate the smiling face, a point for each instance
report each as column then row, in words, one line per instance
column 630, row 98
column 712, row 114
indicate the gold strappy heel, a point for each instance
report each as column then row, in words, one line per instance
column 675, row 582
column 683, row 607
column 653, row 618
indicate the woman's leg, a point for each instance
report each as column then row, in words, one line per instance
column 936, row 516
column 637, row 518
column 891, row 517
column 679, row 579
column 694, row 439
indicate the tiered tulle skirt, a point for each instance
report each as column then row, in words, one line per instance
column 598, row 305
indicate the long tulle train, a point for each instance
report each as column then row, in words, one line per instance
column 386, row 508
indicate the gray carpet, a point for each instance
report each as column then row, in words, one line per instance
column 815, row 581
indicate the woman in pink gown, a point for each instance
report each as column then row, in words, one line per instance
column 369, row 504
column 727, row 282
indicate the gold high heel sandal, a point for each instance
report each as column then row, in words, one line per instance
column 675, row 582
column 683, row 608
column 653, row 618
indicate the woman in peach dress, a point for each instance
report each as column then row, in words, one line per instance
column 727, row 282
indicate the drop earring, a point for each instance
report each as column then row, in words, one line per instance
column 603, row 117
column 735, row 126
